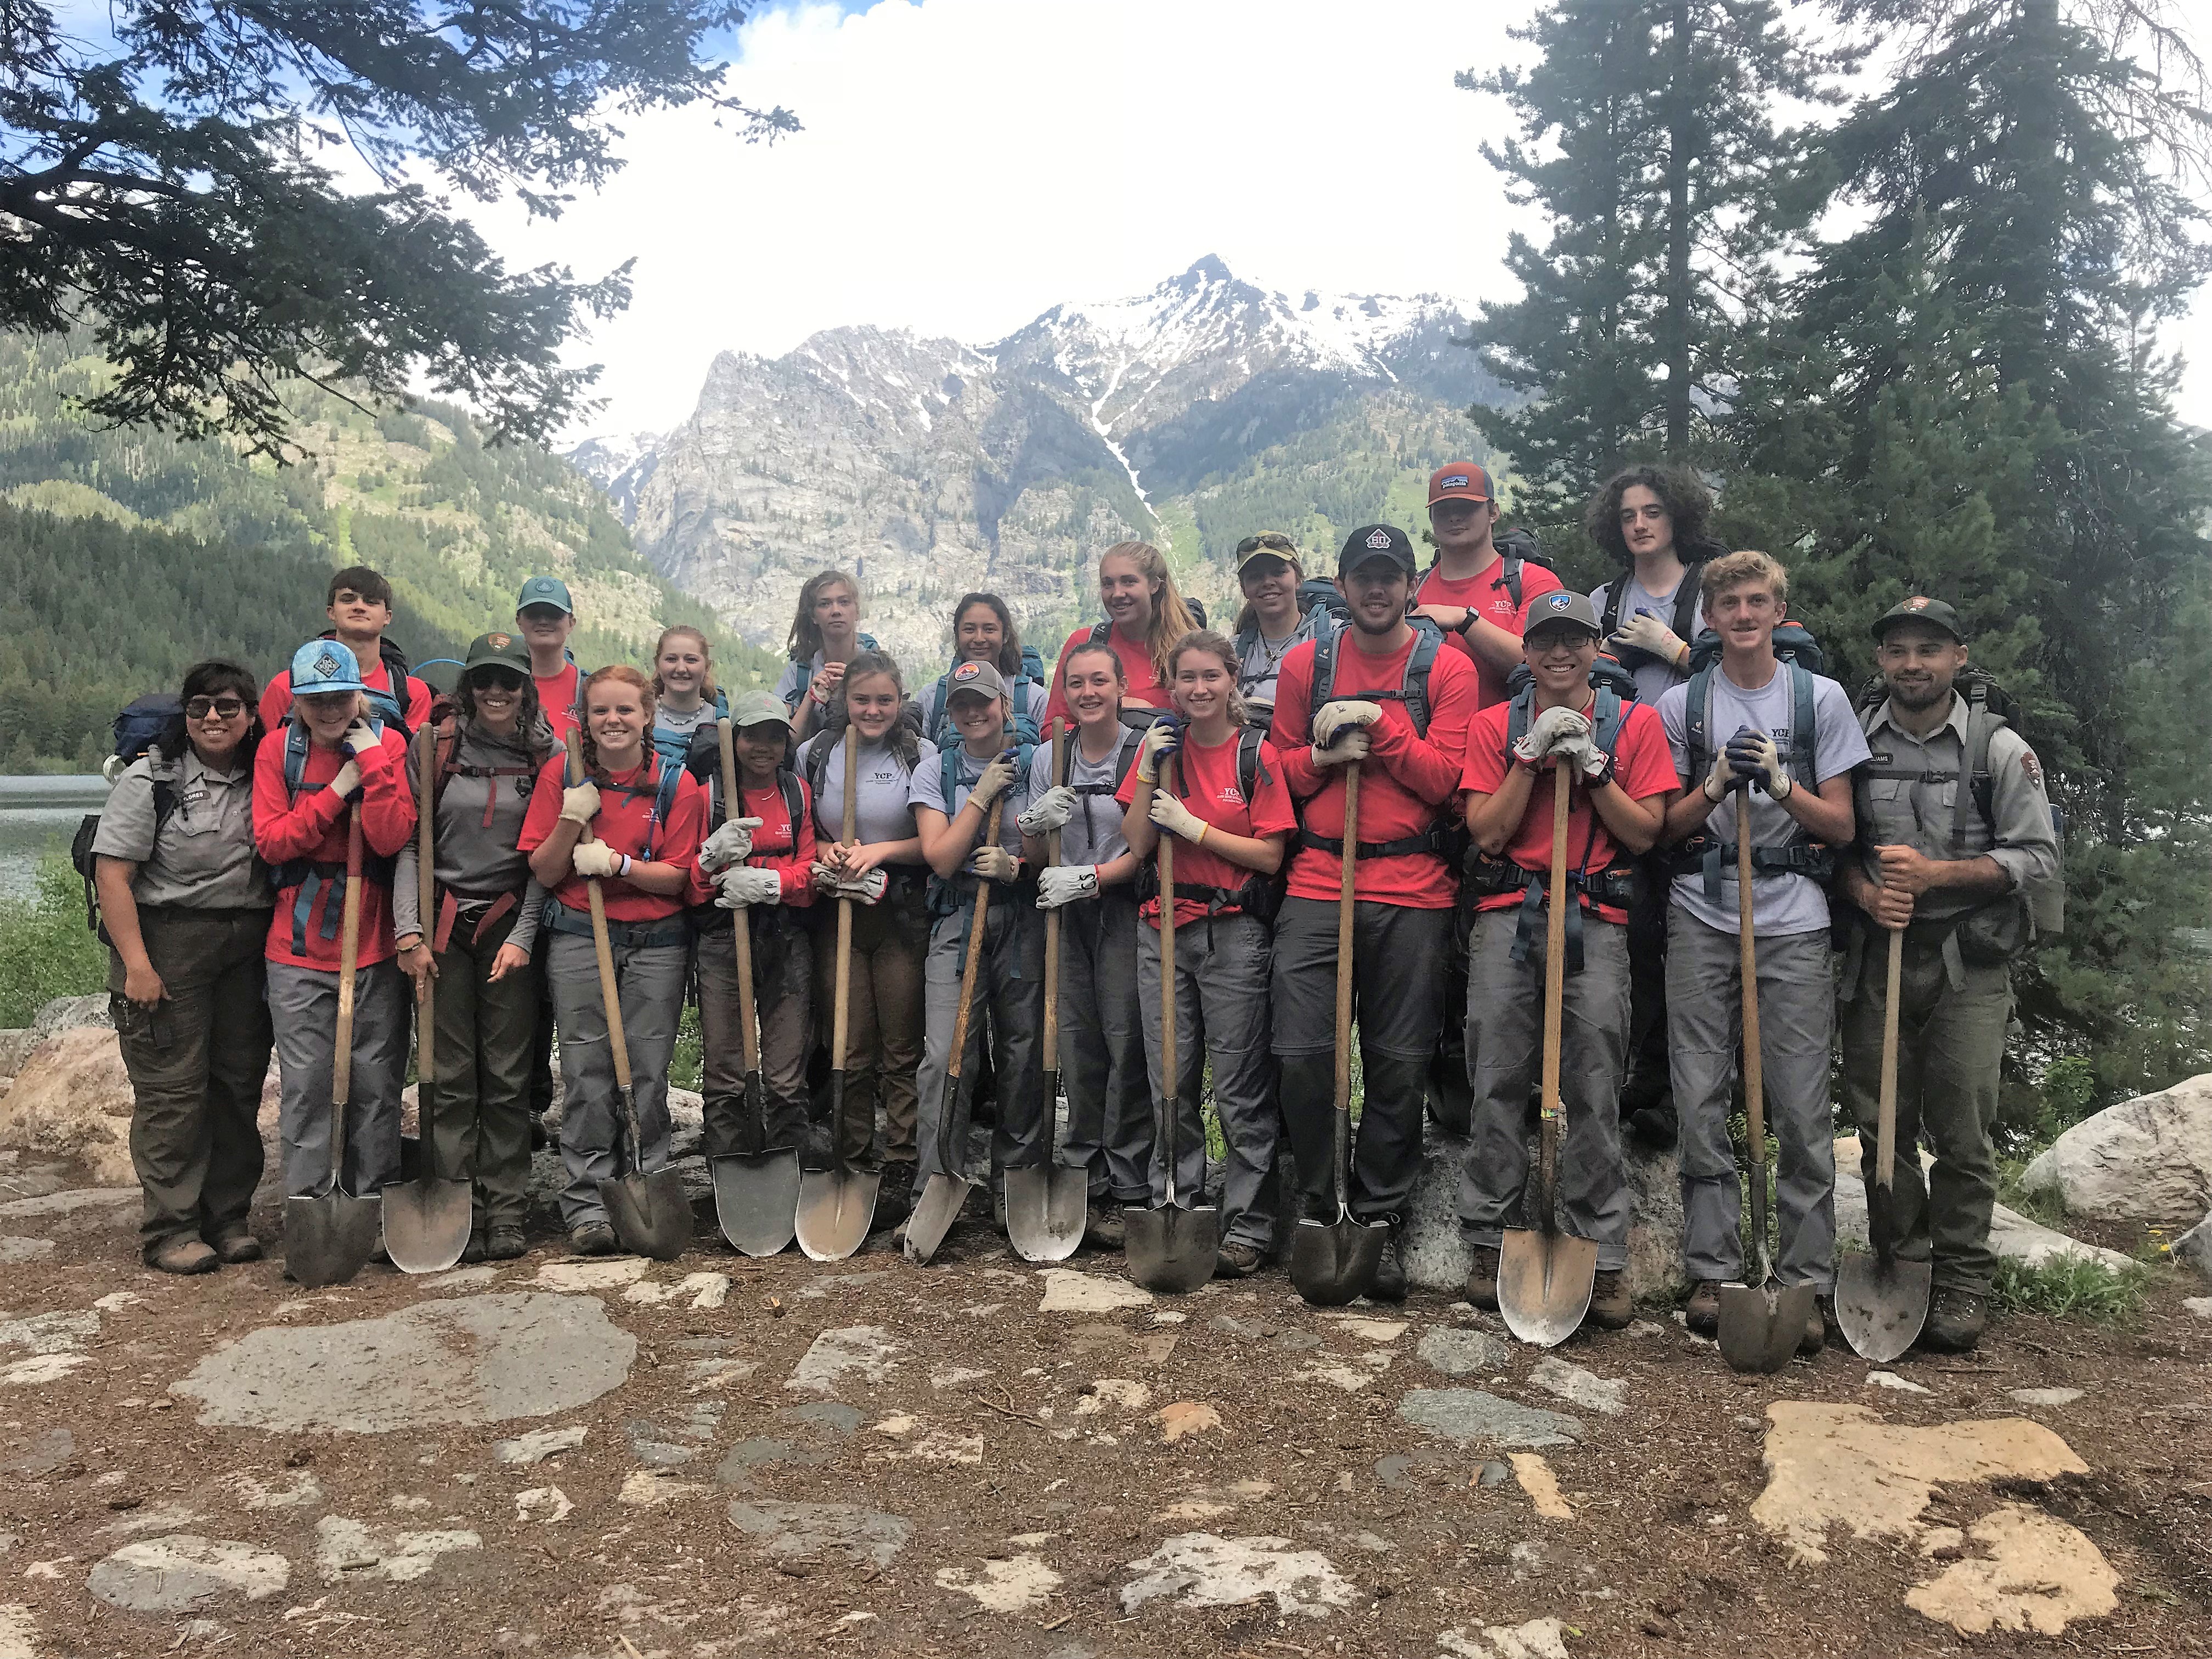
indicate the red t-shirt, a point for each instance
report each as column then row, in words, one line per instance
column 1142, row 682
column 1206, row 782
column 1488, row 596
column 277, row 698
column 557, row 695
column 774, row 846
column 625, row 816
column 1407, row 784
column 1644, row 766
column 313, row 827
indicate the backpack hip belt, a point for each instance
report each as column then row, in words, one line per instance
column 624, row 935
column 1430, row 840
column 312, row 876
column 1707, row 855
column 451, row 903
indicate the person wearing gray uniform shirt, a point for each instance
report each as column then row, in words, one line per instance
column 185, row 905
column 1270, row 572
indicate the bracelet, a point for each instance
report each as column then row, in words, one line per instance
column 624, row 871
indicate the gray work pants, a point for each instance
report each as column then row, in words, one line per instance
column 1102, row 1047
column 1222, row 971
column 303, row 1009
column 1009, row 984
column 1505, row 1034
column 1704, row 1025
column 479, row 1101
column 650, row 981
column 883, row 1014
column 783, row 974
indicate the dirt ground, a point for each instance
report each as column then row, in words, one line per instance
column 1067, row 1485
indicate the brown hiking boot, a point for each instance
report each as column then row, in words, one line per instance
column 505, row 1243
column 1610, row 1308
column 1956, row 1320
column 593, row 1238
column 1107, row 1229
column 1237, row 1262
column 237, row 1247
column 1703, row 1314
column 185, row 1256
column 1482, row 1278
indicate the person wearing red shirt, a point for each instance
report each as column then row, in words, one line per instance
column 1614, row 756
column 1225, row 803
column 359, row 606
column 1466, row 591
column 305, row 778
column 544, row 617
column 1145, row 616
column 1408, row 728
column 646, row 823
column 754, row 866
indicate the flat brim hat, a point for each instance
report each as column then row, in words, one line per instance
column 1921, row 608
column 1377, row 541
column 496, row 651
column 544, row 590
column 1269, row 546
column 321, row 665
column 758, row 708
column 1460, row 481
column 976, row 678
column 1561, row 608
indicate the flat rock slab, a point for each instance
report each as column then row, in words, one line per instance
column 13, row 1250
column 1604, row 1395
column 2035, row 1573
column 39, row 1453
column 1066, row 1291
column 185, row 1571
column 1206, row 1570
column 865, row 1536
column 468, row 1359
column 865, row 1352
column 1457, row 1351
column 1472, row 1416
column 538, row 1444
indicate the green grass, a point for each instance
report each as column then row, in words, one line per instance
column 685, row 1064
column 45, row 951
column 2044, row 1207
column 2073, row 1287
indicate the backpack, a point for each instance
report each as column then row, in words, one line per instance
column 704, row 763
column 445, row 721
column 389, row 706
column 797, row 692
column 819, row 745
column 1413, row 691
column 1515, row 547
column 1687, row 599
column 947, row 897
column 1257, row 896
column 938, row 719
column 1101, row 632
column 1314, row 595
column 136, row 730
column 681, row 749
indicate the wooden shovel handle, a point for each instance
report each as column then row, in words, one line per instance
column 974, row 950
column 349, row 963
column 1167, row 947
column 1885, row 1152
column 609, row 992
column 1052, row 917
column 740, row 921
column 1348, row 879
column 426, row 903
column 842, row 1005
column 1555, row 976
column 1754, row 1079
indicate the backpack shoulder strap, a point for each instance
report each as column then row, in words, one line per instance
column 1324, row 677
column 794, row 801
column 1978, row 792
column 1126, row 757
column 1608, row 714
column 1247, row 760
column 1687, row 599
column 1427, row 641
column 1801, row 732
column 295, row 757
column 1099, row 631
column 1518, row 713
column 441, row 769
column 817, row 765
column 1696, row 722
column 1508, row 577
column 1610, row 620
column 948, row 762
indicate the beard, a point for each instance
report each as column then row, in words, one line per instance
column 1917, row 697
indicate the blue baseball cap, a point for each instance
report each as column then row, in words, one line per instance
column 544, row 590
column 322, row 665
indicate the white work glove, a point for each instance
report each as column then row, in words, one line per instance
column 742, row 884
column 866, row 890
column 1335, row 716
column 993, row 863
column 1586, row 757
column 1351, row 744
column 997, row 777
column 361, row 737
column 1722, row 779
column 1646, row 632
column 1049, row 811
column 580, row 802
column 731, row 844
column 1161, row 740
column 595, row 858
column 1064, row 884
column 347, row 780
column 1754, row 755
column 1176, row 819
column 1549, row 733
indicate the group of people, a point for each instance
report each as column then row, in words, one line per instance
column 1676, row 708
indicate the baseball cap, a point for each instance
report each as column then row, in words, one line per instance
column 1549, row 610
column 758, row 707
column 544, row 590
column 1922, row 609
column 979, row 678
column 1271, row 545
column 497, row 651
column 322, row 665
column 1376, row 541
column 1459, row 481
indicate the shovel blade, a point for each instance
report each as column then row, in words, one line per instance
column 426, row 1225
column 756, row 1199
column 1881, row 1305
column 1762, row 1324
column 1172, row 1248
column 1047, row 1208
column 835, row 1209
column 935, row 1213
column 328, row 1240
column 1333, row 1263
column 651, row 1213
column 1544, row 1283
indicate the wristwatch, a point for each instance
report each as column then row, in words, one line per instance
column 1466, row 622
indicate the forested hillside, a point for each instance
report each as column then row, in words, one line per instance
column 125, row 555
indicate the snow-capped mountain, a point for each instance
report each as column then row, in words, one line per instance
column 618, row 462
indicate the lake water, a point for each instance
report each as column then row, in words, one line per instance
column 37, row 815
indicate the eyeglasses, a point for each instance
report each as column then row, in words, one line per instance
column 223, row 709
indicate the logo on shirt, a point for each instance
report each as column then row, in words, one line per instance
column 1230, row 795
column 2031, row 767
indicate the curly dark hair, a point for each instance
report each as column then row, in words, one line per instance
column 212, row 678
column 1686, row 498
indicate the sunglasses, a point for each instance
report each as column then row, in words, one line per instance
column 1273, row 541
column 540, row 613
column 495, row 679
column 223, row 709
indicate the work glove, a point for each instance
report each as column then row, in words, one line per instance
column 1176, row 819
column 1064, row 884
column 1335, row 716
column 1587, row 757
column 741, row 884
column 1549, row 733
column 361, row 737
column 1049, row 811
column 997, row 777
column 580, row 803
column 731, row 844
column 1351, row 744
column 1646, row 632
column 595, row 858
column 1720, row 779
column 1753, row 755
column 993, row 863
column 867, row 889
column 1161, row 739
column 347, row 780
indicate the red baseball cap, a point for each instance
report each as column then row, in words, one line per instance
column 1459, row 481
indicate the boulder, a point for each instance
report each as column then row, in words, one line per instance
column 2012, row 1234
column 67, row 1013
column 16, row 1045
column 2147, row 1159
column 72, row 1099
column 2194, row 1247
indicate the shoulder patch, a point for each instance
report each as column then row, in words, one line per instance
column 2031, row 767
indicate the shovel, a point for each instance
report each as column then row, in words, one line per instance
column 944, row 1193
column 836, row 1205
column 755, row 1193
column 1881, row 1301
column 329, row 1236
column 1048, row 1204
column 1170, row 1248
column 1333, row 1261
column 651, row 1214
column 1545, row 1276
column 1761, row 1323
column 426, row 1221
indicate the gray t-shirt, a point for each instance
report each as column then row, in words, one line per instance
column 1654, row 678
column 885, row 784
column 202, row 858
column 1262, row 665
column 1093, row 836
column 1782, row 902
column 929, row 791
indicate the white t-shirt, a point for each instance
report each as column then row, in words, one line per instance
column 1094, row 835
column 883, row 814
column 1782, row 901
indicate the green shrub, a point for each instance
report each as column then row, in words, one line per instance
column 2071, row 1286
column 45, row 951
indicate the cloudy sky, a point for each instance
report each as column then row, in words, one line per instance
column 968, row 163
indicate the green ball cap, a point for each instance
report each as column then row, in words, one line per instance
column 758, row 708
column 544, row 590
column 497, row 651
column 1921, row 608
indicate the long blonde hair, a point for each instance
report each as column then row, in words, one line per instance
column 1214, row 645
column 707, row 689
column 1171, row 618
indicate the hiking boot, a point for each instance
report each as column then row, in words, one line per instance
column 1106, row 1231
column 1237, row 1262
column 540, row 1136
column 1482, row 1278
column 1610, row 1308
column 894, row 1196
column 478, row 1248
column 1388, row 1284
column 1956, row 1320
column 593, row 1238
column 184, row 1256
column 237, row 1247
column 505, row 1243
column 1816, row 1331
column 1703, row 1313
column 1654, row 1127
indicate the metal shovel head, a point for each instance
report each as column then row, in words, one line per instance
column 1880, row 1305
column 328, row 1240
column 756, row 1199
column 1047, row 1208
column 1332, row 1263
column 1172, row 1248
column 651, row 1213
column 1762, row 1324
column 935, row 1213
column 426, row 1225
column 1544, row 1283
column 835, row 1208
